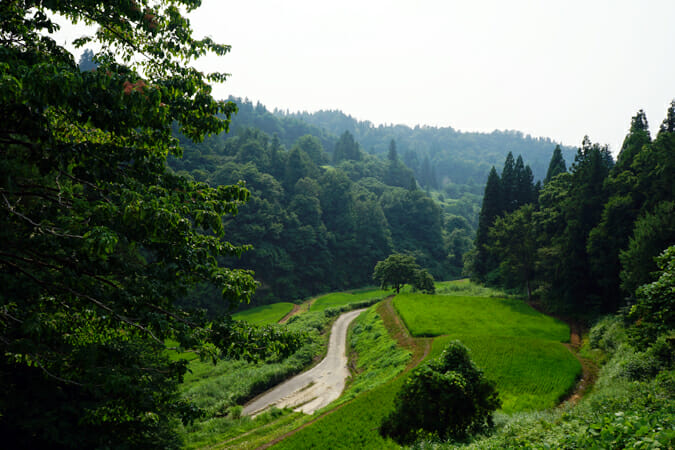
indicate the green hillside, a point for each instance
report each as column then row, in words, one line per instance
column 265, row 314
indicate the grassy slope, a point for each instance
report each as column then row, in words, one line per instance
column 521, row 351
column 625, row 409
column 437, row 315
column 355, row 424
column 338, row 299
column 266, row 314
column 379, row 360
column 530, row 374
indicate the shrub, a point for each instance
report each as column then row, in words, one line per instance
column 424, row 282
column 607, row 334
column 654, row 311
column 448, row 398
column 235, row 411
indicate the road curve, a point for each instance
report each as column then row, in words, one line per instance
column 317, row 387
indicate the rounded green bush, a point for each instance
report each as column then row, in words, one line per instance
column 447, row 398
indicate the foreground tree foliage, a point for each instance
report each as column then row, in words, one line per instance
column 98, row 239
column 448, row 397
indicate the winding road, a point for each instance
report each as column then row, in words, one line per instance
column 317, row 387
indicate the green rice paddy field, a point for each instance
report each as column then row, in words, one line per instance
column 517, row 347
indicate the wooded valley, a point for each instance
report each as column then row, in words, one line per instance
column 167, row 257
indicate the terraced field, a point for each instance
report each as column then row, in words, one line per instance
column 337, row 299
column 517, row 347
column 266, row 314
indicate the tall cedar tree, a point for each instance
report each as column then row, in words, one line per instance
column 524, row 190
column 574, row 286
column 654, row 229
column 346, row 148
column 556, row 166
column 509, row 184
column 392, row 155
column 618, row 216
column 484, row 262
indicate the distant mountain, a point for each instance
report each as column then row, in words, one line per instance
column 457, row 157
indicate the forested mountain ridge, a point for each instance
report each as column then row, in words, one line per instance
column 457, row 157
column 323, row 210
column 315, row 227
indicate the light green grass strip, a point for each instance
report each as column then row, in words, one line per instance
column 337, row 299
column 379, row 357
column 266, row 314
column 437, row 315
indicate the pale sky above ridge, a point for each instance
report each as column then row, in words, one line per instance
column 554, row 69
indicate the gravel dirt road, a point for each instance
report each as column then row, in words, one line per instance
column 320, row 385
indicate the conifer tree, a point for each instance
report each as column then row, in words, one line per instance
column 625, row 201
column 509, row 181
column 484, row 262
column 556, row 166
column 346, row 148
column 668, row 124
column 637, row 137
column 393, row 155
column 524, row 185
column 576, row 287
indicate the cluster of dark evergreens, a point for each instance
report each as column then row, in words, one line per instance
column 590, row 238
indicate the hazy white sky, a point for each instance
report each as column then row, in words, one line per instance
column 559, row 69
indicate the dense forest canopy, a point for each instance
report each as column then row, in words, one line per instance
column 132, row 222
column 457, row 157
column 325, row 208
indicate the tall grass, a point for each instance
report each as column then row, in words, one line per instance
column 216, row 389
column 466, row 288
column 378, row 358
